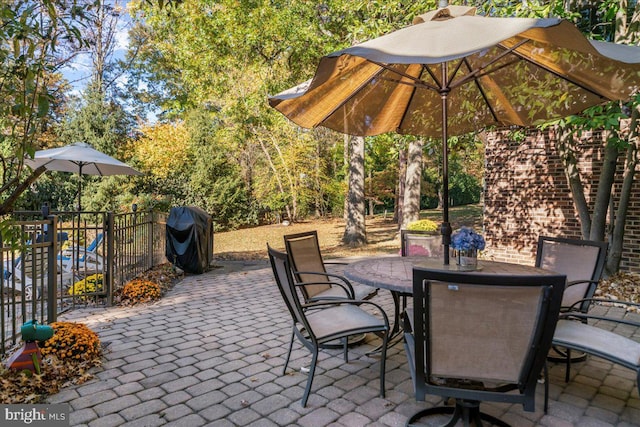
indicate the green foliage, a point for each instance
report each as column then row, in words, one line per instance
column 464, row 189
column 98, row 121
column 423, row 225
column 37, row 37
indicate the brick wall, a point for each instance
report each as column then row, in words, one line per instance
column 527, row 195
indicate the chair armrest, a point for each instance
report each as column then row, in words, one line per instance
column 333, row 276
column 335, row 263
column 577, row 282
column 346, row 290
column 586, row 316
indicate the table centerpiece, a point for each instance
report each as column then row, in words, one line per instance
column 466, row 243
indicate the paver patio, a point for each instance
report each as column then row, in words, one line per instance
column 211, row 352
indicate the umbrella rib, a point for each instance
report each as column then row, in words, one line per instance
column 417, row 82
column 474, row 74
column 476, row 80
column 555, row 73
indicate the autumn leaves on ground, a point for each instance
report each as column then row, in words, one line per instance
column 382, row 235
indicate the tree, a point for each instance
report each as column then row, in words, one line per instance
column 620, row 125
column 37, row 37
column 610, row 20
column 411, row 207
column 355, row 231
column 228, row 57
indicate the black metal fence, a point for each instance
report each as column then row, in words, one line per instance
column 91, row 257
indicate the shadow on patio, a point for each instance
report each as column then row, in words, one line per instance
column 211, row 353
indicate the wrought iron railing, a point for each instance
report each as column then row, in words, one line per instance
column 93, row 255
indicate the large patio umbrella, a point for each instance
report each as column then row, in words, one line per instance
column 81, row 158
column 454, row 72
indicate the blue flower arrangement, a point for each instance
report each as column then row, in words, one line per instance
column 465, row 239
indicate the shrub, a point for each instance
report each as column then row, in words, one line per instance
column 140, row 290
column 72, row 341
column 87, row 285
column 423, row 225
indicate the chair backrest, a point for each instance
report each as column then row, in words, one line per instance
column 284, row 279
column 34, row 263
column 578, row 260
column 420, row 243
column 304, row 254
column 93, row 246
column 494, row 329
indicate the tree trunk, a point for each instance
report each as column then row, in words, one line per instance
column 345, row 159
column 616, row 240
column 276, row 175
column 371, row 201
column 572, row 173
column 355, row 231
column 603, row 196
column 411, row 207
column 6, row 206
column 293, row 216
column 402, row 174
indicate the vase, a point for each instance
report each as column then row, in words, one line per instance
column 467, row 258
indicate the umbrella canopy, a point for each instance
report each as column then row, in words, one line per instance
column 81, row 158
column 454, row 72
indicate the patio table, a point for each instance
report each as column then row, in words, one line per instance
column 395, row 274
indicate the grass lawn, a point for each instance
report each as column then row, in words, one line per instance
column 382, row 235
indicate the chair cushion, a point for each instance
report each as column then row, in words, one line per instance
column 337, row 319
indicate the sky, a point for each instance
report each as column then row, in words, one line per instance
column 78, row 72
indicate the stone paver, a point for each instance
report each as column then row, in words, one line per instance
column 211, row 353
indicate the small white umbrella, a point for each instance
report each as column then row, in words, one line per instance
column 81, row 158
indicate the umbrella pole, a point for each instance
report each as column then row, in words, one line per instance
column 79, row 210
column 446, row 226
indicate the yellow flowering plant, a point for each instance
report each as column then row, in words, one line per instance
column 423, row 225
column 88, row 285
column 72, row 341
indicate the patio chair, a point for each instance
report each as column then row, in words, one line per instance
column 415, row 243
column 82, row 258
column 23, row 273
column 308, row 266
column 607, row 341
column 478, row 337
column 28, row 271
column 581, row 260
column 320, row 322
column 420, row 243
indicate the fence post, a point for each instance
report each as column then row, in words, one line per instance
column 109, row 267
column 151, row 256
column 52, row 267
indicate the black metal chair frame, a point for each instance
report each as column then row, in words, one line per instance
column 596, row 273
column 469, row 396
column 303, row 327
